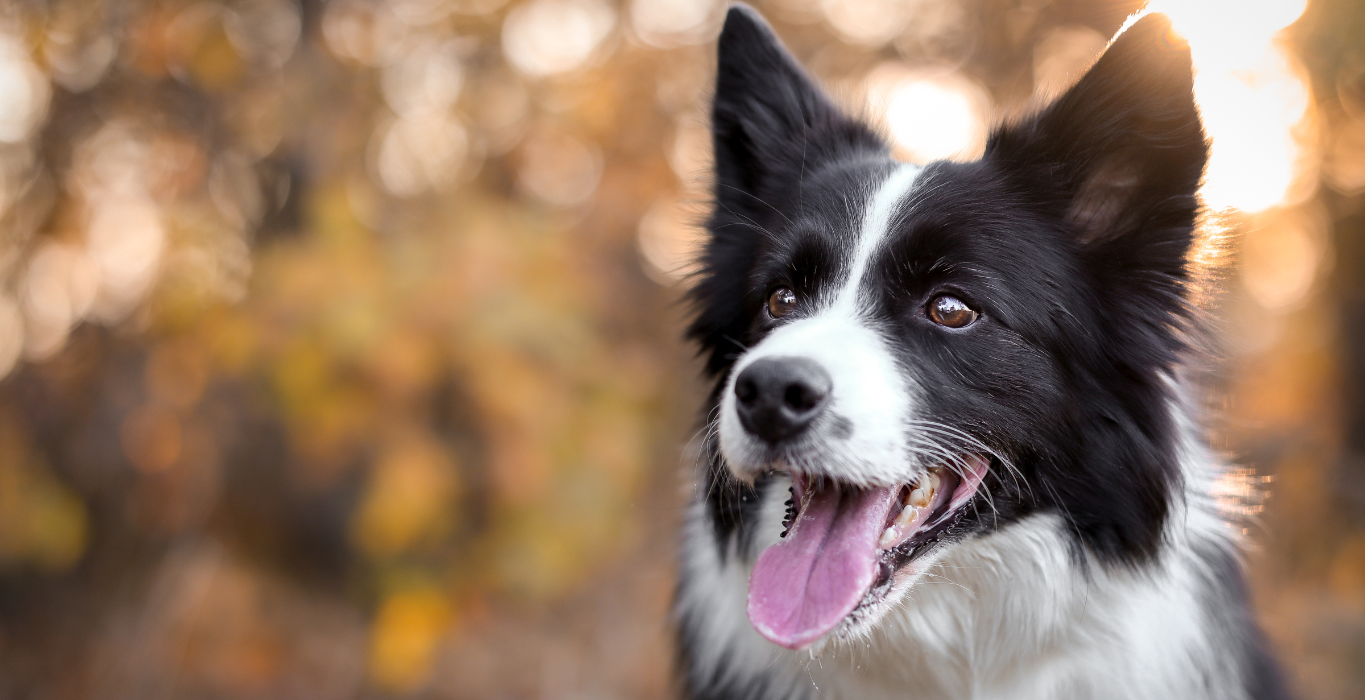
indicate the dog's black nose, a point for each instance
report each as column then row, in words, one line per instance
column 777, row 397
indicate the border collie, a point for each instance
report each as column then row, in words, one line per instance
column 951, row 450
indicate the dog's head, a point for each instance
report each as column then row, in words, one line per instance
column 931, row 353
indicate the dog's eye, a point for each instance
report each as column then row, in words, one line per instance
column 948, row 310
column 781, row 302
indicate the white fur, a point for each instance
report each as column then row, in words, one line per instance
column 714, row 598
column 859, row 364
column 876, row 225
column 1008, row 615
column 840, row 337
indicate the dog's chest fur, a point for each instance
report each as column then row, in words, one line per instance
column 1011, row 615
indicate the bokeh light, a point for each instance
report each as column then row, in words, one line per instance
column 425, row 80
column 25, row 88
column 264, row 31
column 669, row 241
column 930, row 114
column 340, row 342
column 867, row 22
column 1282, row 258
column 58, row 290
column 558, row 169
column 414, row 154
column 668, row 23
column 544, row 37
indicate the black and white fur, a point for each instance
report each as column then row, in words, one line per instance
column 1095, row 562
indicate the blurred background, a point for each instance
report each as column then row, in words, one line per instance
column 340, row 340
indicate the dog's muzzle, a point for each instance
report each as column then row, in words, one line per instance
column 779, row 397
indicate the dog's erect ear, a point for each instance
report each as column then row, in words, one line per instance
column 1119, row 156
column 772, row 127
column 770, row 122
column 1117, row 160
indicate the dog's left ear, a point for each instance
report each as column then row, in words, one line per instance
column 1119, row 158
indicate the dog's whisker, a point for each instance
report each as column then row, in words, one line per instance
column 973, row 444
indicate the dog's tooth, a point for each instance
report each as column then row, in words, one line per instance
column 889, row 537
column 907, row 515
column 919, row 498
column 934, row 480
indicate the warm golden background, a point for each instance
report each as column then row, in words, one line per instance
column 341, row 340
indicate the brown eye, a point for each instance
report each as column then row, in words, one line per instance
column 947, row 310
column 781, row 302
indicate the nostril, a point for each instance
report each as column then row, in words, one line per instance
column 746, row 391
column 801, row 397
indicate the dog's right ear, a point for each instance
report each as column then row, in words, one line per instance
column 770, row 123
column 771, row 127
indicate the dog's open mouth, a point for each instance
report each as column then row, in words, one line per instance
column 842, row 542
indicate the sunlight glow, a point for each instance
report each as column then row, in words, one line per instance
column 1281, row 260
column 930, row 115
column 1254, row 100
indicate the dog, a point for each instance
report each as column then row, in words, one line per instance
column 952, row 449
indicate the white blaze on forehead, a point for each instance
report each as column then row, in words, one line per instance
column 871, row 395
column 876, row 225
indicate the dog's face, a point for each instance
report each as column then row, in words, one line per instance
column 931, row 353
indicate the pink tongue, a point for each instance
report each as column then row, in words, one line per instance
column 804, row 585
